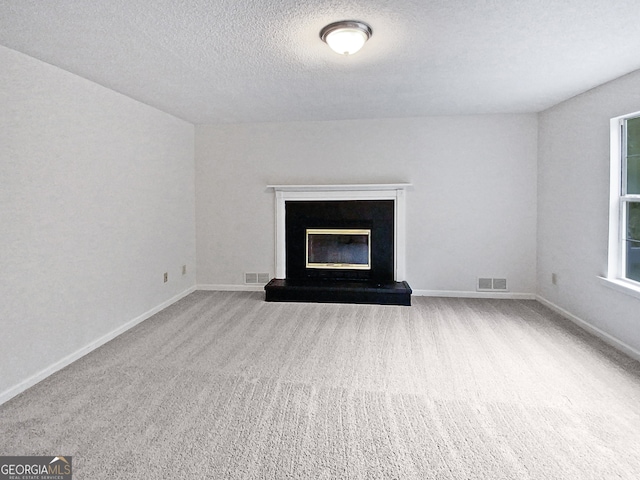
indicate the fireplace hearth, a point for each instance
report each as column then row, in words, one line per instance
column 339, row 244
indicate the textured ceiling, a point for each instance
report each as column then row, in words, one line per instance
column 211, row 61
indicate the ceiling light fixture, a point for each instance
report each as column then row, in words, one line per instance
column 346, row 37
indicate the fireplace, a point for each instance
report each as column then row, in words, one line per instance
column 375, row 217
column 340, row 243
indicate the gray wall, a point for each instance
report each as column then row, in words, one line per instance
column 471, row 211
column 96, row 203
column 573, row 208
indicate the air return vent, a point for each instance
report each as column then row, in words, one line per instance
column 491, row 285
column 256, row 278
column 499, row 283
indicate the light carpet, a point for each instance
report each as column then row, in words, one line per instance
column 223, row 385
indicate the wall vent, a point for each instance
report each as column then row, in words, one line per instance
column 491, row 285
column 256, row 278
column 499, row 283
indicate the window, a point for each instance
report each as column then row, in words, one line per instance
column 624, row 230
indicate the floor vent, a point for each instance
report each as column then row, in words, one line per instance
column 491, row 285
column 256, row 278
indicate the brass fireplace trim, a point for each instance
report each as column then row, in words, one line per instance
column 339, row 231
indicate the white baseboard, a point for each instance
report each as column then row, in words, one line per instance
column 60, row 364
column 607, row 338
column 462, row 294
column 231, row 288
column 417, row 293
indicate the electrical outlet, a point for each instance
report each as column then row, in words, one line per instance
column 166, row 277
column 184, row 269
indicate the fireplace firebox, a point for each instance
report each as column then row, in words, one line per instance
column 340, row 251
column 338, row 248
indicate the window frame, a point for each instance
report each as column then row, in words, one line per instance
column 618, row 204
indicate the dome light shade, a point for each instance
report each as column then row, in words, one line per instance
column 346, row 37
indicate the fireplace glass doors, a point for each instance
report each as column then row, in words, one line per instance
column 333, row 248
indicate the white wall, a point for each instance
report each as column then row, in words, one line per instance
column 96, row 203
column 573, row 203
column 470, row 213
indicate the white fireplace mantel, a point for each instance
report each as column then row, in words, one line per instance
column 385, row 191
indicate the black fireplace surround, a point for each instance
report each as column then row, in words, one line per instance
column 340, row 285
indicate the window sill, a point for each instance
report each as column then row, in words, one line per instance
column 624, row 286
